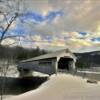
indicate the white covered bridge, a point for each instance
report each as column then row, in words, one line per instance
column 63, row 60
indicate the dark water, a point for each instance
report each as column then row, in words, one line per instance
column 15, row 86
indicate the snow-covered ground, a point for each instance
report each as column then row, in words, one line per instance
column 10, row 69
column 63, row 87
column 13, row 72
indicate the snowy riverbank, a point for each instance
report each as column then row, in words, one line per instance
column 63, row 87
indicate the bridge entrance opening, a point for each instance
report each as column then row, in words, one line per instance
column 65, row 63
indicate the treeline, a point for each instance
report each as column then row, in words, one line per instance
column 83, row 64
column 88, row 59
column 19, row 53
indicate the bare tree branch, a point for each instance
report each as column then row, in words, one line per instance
column 9, row 24
column 13, row 36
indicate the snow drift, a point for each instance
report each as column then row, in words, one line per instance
column 62, row 87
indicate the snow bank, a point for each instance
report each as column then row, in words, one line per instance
column 63, row 87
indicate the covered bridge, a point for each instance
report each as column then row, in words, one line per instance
column 63, row 60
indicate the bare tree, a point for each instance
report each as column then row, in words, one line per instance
column 9, row 11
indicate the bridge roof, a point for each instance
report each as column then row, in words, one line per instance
column 51, row 55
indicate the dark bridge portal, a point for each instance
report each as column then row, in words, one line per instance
column 65, row 63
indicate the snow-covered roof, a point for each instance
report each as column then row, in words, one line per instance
column 51, row 55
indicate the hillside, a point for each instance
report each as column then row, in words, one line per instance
column 89, row 59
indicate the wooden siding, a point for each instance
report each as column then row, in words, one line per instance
column 46, row 66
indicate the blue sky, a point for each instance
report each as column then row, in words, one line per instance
column 58, row 24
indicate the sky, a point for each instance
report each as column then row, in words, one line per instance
column 57, row 24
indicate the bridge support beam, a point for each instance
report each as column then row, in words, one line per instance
column 25, row 73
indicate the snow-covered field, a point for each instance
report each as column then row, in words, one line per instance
column 10, row 69
column 62, row 87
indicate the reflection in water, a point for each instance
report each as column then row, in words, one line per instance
column 14, row 86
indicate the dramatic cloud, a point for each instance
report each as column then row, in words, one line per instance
column 58, row 24
column 8, row 41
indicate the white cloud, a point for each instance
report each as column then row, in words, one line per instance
column 8, row 41
column 1, row 17
column 79, row 16
column 72, row 34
